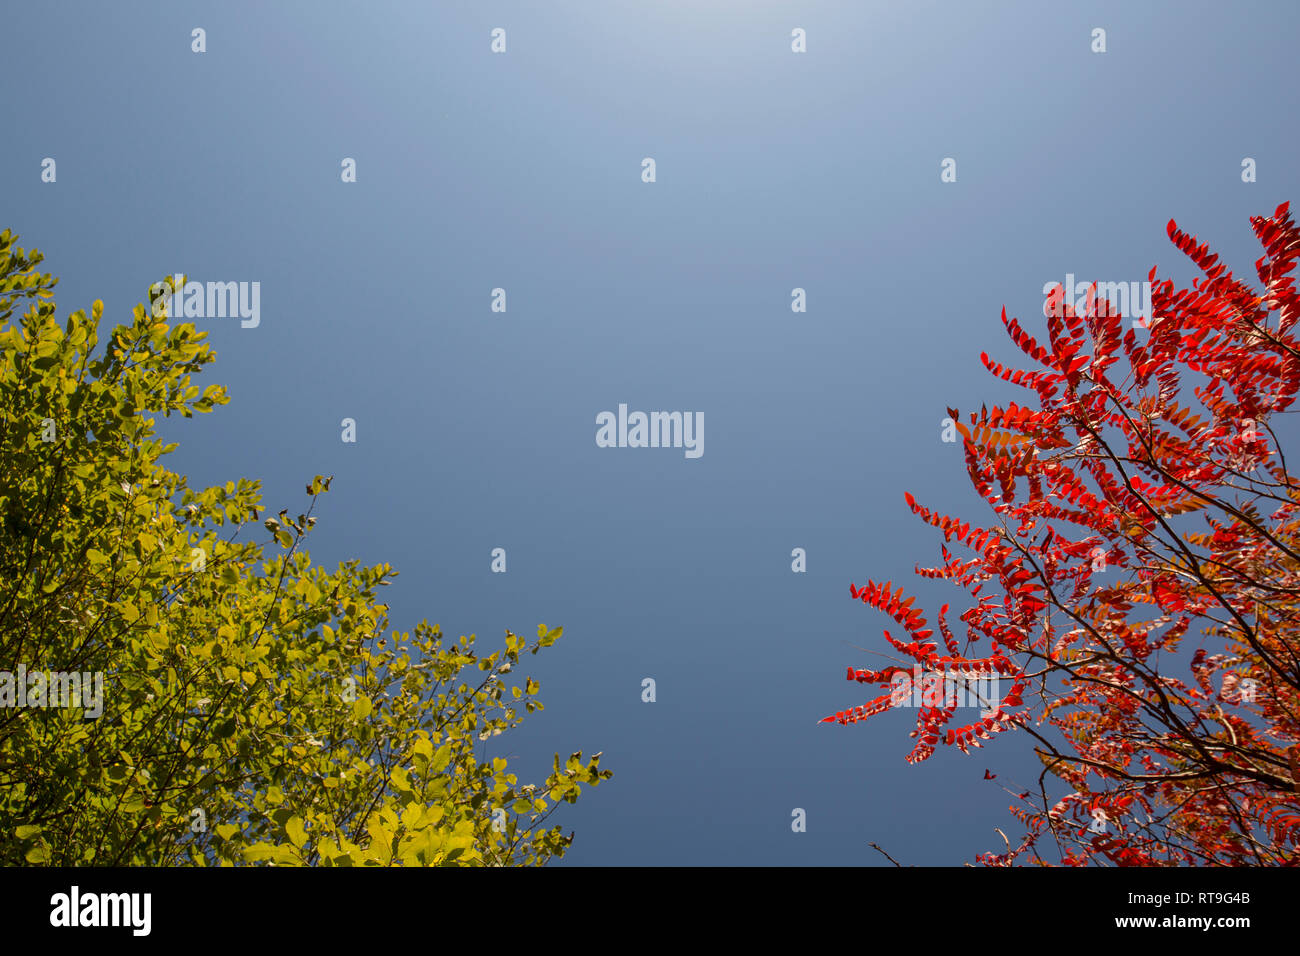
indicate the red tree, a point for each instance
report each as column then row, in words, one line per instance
column 1165, row 699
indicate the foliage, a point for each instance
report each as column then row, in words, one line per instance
column 253, row 709
column 1125, row 517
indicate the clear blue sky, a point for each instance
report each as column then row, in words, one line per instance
column 522, row 170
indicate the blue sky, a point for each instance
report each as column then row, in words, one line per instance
column 476, row 429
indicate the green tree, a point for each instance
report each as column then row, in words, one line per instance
column 252, row 707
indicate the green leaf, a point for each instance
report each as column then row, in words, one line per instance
column 38, row 854
column 260, row 852
column 223, row 687
column 441, row 759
